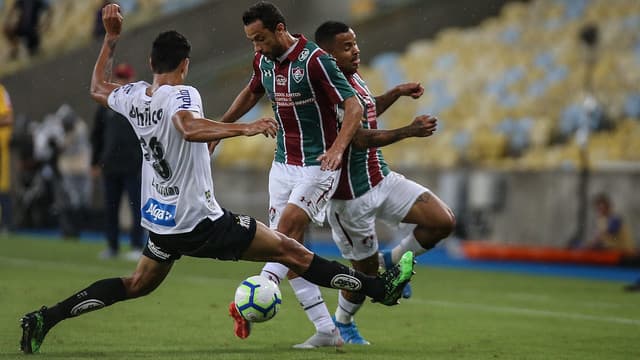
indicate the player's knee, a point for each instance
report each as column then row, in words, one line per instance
column 293, row 224
column 439, row 226
column 448, row 223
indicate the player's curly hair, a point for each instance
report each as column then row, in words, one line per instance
column 326, row 33
column 168, row 50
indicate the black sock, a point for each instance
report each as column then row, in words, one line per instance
column 332, row 274
column 98, row 295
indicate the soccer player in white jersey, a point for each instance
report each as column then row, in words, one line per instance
column 307, row 91
column 369, row 190
column 180, row 210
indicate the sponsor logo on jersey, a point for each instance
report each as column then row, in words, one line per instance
column 267, row 73
column 86, row 306
column 244, row 221
column 159, row 213
column 303, row 54
column 185, row 96
column 346, row 282
column 298, row 74
column 146, row 117
column 155, row 250
column 281, row 80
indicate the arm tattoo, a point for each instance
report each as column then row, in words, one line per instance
column 109, row 65
column 424, row 197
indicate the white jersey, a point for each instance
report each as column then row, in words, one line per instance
column 177, row 188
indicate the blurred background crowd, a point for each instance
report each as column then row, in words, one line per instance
column 538, row 105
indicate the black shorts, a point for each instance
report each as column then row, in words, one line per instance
column 226, row 238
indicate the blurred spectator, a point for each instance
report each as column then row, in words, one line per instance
column 73, row 163
column 612, row 233
column 117, row 157
column 26, row 20
column 6, row 124
column 42, row 189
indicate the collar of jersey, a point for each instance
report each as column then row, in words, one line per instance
column 302, row 41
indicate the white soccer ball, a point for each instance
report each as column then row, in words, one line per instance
column 258, row 299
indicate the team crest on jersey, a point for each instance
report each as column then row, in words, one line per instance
column 297, row 73
column 303, row 54
column 281, row 80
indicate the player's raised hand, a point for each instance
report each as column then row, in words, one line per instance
column 423, row 125
column 112, row 19
column 413, row 89
column 266, row 126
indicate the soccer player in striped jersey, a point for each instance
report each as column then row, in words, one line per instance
column 369, row 190
column 180, row 210
column 309, row 95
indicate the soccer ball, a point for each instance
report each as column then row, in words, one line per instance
column 258, row 299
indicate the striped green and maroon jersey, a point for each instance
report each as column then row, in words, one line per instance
column 305, row 90
column 361, row 169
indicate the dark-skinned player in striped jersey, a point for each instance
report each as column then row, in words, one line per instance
column 369, row 190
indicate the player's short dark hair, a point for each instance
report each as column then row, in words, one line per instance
column 268, row 13
column 326, row 33
column 168, row 50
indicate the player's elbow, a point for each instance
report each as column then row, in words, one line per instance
column 95, row 95
column 189, row 134
column 356, row 111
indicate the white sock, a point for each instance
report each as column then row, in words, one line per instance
column 407, row 244
column 346, row 309
column 274, row 271
column 310, row 298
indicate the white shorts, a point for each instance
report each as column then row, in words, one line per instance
column 307, row 187
column 353, row 221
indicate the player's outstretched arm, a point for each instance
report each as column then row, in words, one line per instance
column 421, row 126
column 332, row 159
column 384, row 101
column 245, row 100
column 101, row 86
column 204, row 130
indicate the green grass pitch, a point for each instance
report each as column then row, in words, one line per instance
column 454, row 314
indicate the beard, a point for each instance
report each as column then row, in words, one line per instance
column 276, row 51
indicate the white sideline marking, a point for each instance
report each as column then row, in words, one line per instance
column 530, row 312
